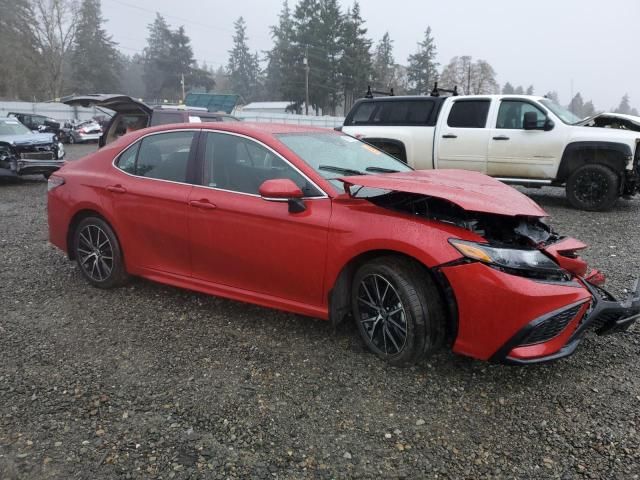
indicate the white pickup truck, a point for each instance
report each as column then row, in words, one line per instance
column 519, row 139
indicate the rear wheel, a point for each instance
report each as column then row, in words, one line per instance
column 398, row 310
column 71, row 140
column 98, row 253
column 593, row 187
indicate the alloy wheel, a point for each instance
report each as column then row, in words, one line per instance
column 95, row 252
column 382, row 314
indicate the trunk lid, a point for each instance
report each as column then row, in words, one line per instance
column 117, row 102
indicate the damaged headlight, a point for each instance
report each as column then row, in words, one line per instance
column 523, row 262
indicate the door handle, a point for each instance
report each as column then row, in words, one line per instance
column 204, row 204
column 449, row 135
column 501, row 137
column 116, row 189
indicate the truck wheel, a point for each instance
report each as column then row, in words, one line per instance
column 593, row 187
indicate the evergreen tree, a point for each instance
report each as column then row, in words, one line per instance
column 588, row 109
column 355, row 65
column 422, row 70
column 157, row 57
column 281, row 59
column 318, row 27
column 530, row 90
column 519, row 90
column 384, row 64
column 94, row 58
column 576, row 106
column 17, row 48
column 624, row 106
column 243, row 67
column 508, row 89
column 634, row 112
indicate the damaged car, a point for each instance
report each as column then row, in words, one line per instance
column 318, row 223
column 618, row 121
column 24, row 152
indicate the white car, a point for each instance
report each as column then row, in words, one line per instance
column 519, row 139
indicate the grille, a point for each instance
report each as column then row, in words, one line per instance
column 551, row 327
column 38, row 156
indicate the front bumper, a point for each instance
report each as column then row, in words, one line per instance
column 25, row 166
column 604, row 315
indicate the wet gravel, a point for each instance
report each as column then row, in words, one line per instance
column 150, row 381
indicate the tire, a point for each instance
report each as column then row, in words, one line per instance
column 98, row 254
column 593, row 187
column 71, row 140
column 406, row 289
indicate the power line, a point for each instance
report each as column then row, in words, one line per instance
column 185, row 20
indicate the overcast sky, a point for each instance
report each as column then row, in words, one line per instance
column 551, row 44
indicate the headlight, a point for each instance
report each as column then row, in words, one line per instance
column 510, row 259
column 54, row 182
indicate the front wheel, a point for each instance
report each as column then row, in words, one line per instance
column 398, row 310
column 98, row 253
column 593, row 187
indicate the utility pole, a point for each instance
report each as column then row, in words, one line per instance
column 182, row 83
column 305, row 62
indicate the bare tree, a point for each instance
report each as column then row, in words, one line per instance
column 472, row 78
column 54, row 31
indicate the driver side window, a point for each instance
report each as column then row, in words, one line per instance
column 241, row 165
column 511, row 115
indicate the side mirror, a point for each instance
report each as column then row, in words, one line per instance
column 283, row 190
column 530, row 121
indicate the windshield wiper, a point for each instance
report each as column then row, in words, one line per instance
column 381, row 170
column 340, row 170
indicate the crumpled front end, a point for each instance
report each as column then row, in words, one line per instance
column 30, row 160
column 520, row 293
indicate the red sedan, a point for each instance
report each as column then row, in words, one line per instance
column 318, row 223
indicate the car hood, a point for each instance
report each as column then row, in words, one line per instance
column 471, row 191
column 113, row 101
column 28, row 139
column 629, row 122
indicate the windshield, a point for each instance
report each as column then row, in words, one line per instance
column 562, row 113
column 335, row 155
column 12, row 127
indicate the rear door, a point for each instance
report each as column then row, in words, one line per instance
column 149, row 198
column 462, row 136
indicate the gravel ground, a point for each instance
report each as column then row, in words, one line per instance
column 150, row 381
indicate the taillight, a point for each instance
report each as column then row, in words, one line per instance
column 82, row 130
column 54, row 182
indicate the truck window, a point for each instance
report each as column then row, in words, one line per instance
column 403, row 113
column 511, row 114
column 469, row 114
column 362, row 114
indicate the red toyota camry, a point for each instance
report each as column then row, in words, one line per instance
column 319, row 223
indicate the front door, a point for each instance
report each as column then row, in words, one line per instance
column 240, row 240
column 461, row 141
column 518, row 153
column 149, row 201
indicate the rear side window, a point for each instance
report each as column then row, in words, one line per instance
column 402, row 113
column 127, row 161
column 469, row 114
column 164, row 156
column 363, row 113
column 397, row 113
